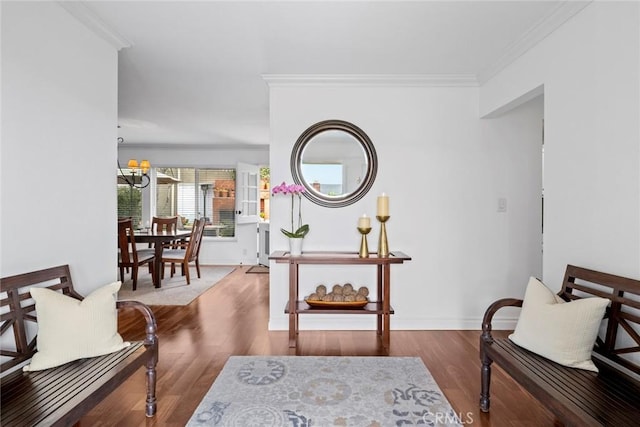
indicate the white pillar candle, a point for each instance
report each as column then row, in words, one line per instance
column 364, row 221
column 383, row 205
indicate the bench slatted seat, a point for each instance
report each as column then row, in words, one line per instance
column 606, row 397
column 62, row 395
column 575, row 396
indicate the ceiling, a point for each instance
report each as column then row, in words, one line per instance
column 194, row 70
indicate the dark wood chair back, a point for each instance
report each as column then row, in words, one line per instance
column 193, row 249
column 129, row 256
column 168, row 224
column 127, row 244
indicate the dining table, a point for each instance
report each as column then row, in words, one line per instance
column 159, row 239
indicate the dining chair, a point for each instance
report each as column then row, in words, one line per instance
column 188, row 251
column 129, row 255
column 122, row 218
column 168, row 224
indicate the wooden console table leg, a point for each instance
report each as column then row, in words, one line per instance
column 386, row 307
column 379, row 287
column 293, row 301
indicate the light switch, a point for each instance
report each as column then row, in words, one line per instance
column 502, row 204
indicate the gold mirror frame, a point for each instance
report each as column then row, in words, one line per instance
column 369, row 153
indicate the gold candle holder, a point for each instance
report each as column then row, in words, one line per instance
column 364, row 247
column 383, row 245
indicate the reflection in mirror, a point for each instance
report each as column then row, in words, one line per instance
column 335, row 161
column 324, row 178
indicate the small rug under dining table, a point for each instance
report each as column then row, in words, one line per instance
column 305, row 391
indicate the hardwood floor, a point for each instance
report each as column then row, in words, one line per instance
column 232, row 319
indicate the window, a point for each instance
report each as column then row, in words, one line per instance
column 199, row 193
column 130, row 203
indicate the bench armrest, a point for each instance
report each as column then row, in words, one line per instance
column 488, row 316
column 151, row 328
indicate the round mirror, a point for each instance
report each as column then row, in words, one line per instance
column 335, row 161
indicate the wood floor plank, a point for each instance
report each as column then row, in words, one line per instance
column 232, row 319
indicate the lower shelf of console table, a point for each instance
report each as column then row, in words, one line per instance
column 371, row 308
column 381, row 308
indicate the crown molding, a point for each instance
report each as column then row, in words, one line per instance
column 406, row 80
column 195, row 146
column 80, row 11
column 538, row 32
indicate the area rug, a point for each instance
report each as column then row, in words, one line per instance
column 304, row 391
column 174, row 290
column 258, row 269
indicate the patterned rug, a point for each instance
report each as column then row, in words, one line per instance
column 305, row 391
column 174, row 290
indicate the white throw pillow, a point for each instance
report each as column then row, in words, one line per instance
column 69, row 329
column 563, row 332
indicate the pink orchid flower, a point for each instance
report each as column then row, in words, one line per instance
column 294, row 190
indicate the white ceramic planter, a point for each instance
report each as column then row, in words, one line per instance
column 295, row 246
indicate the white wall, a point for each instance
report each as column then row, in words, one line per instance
column 444, row 169
column 59, row 117
column 590, row 69
column 242, row 249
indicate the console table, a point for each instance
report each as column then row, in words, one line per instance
column 381, row 307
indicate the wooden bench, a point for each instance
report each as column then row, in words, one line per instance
column 61, row 395
column 578, row 397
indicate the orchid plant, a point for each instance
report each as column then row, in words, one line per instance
column 294, row 190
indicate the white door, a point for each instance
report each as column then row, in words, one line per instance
column 247, row 193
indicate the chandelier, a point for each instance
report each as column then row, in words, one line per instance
column 136, row 170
